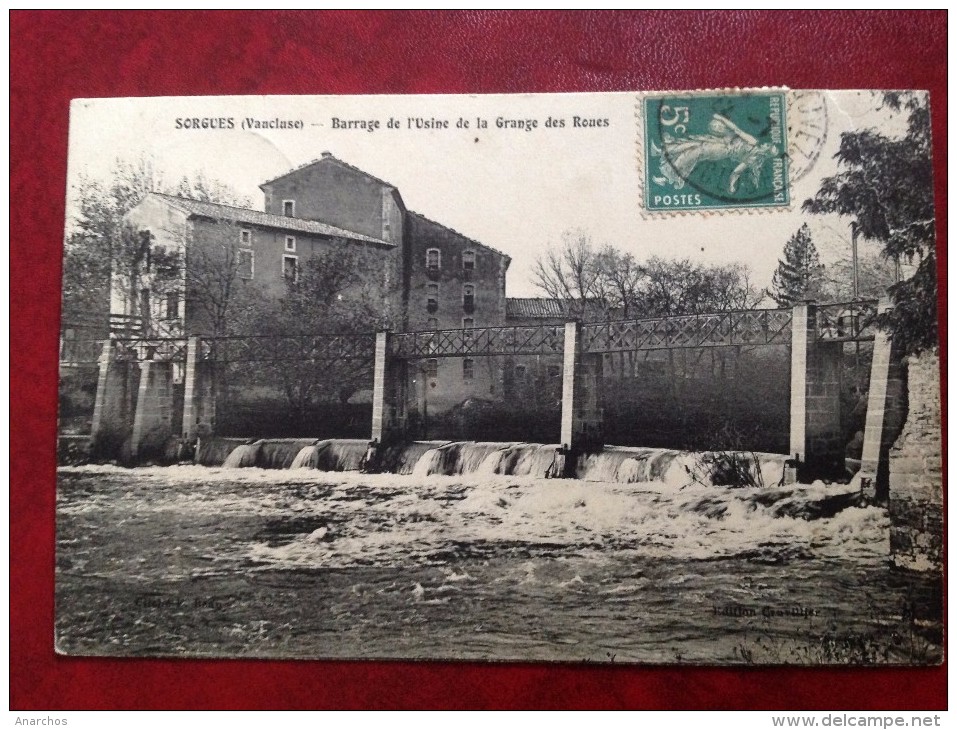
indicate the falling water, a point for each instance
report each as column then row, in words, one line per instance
column 450, row 458
column 244, row 455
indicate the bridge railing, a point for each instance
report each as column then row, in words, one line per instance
column 718, row 329
column 512, row 340
column 289, row 348
column 847, row 321
column 160, row 349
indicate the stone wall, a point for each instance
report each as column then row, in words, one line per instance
column 915, row 483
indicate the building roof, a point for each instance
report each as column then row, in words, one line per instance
column 431, row 222
column 218, row 211
column 536, row 307
column 548, row 307
column 329, row 157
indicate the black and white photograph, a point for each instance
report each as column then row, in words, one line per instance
column 642, row 378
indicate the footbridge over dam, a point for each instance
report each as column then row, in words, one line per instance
column 148, row 385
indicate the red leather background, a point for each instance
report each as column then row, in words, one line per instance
column 56, row 56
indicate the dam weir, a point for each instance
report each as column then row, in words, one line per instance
column 449, row 458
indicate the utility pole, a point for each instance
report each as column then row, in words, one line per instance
column 854, row 266
column 857, row 290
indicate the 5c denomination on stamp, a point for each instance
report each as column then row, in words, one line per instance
column 715, row 150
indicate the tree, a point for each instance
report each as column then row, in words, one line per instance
column 215, row 280
column 886, row 185
column 96, row 236
column 614, row 284
column 619, row 281
column 875, row 275
column 203, row 188
column 331, row 293
column 570, row 273
column 99, row 245
column 800, row 274
column 674, row 287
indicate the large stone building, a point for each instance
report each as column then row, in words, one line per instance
column 435, row 277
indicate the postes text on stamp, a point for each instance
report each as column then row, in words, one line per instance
column 713, row 151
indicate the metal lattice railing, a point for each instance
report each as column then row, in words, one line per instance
column 720, row 329
column 290, row 348
column 160, row 349
column 842, row 322
column 481, row 341
column 847, row 321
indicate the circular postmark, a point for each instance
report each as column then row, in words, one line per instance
column 807, row 130
column 718, row 150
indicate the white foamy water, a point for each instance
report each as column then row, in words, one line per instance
column 299, row 562
column 385, row 519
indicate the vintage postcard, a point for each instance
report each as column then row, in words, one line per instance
column 642, row 377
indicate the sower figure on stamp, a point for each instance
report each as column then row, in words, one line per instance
column 725, row 141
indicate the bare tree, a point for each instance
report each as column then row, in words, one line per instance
column 680, row 286
column 218, row 284
column 332, row 293
column 100, row 246
column 620, row 278
column 615, row 284
column 571, row 272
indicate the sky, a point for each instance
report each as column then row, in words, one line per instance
column 516, row 189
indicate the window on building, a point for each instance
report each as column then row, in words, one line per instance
column 164, row 263
column 468, row 368
column 146, row 307
column 432, row 297
column 244, row 264
column 289, row 208
column 468, row 297
column 433, row 323
column 554, row 371
column 432, row 367
column 146, row 239
column 290, row 268
column 520, row 372
column 468, row 260
column 433, row 259
column 290, row 243
column 171, row 305
column 245, row 237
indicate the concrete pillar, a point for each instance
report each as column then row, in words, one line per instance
column 884, row 406
column 800, row 340
column 112, row 406
column 387, row 392
column 815, row 397
column 102, row 386
column 380, row 410
column 199, row 402
column 153, row 421
column 581, row 393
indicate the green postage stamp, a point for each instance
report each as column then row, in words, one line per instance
column 716, row 151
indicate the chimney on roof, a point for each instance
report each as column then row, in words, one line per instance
column 326, row 154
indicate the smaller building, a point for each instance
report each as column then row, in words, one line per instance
column 433, row 277
column 198, row 249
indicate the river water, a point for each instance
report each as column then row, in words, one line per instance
column 202, row 561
